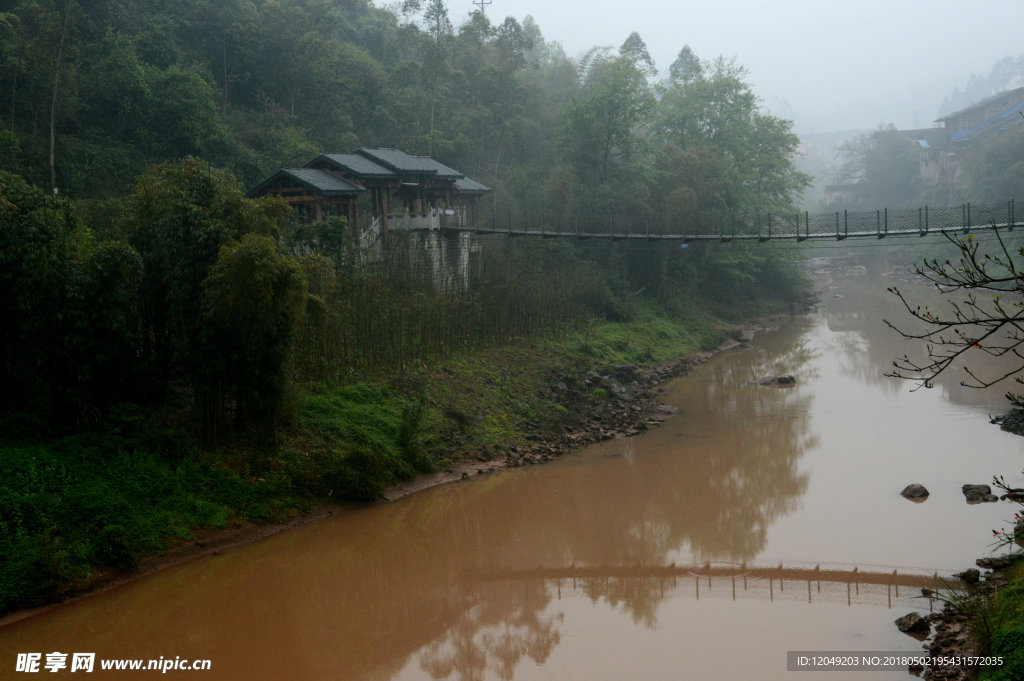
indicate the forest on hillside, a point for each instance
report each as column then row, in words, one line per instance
column 106, row 88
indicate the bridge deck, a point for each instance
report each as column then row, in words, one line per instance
column 739, row 581
column 847, row 576
column 722, row 225
column 760, row 237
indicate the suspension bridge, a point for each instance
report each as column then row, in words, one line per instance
column 737, row 580
column 724, row 227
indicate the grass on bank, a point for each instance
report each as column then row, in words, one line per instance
column 1007, row 640
column 75, row 506
column 350, row 440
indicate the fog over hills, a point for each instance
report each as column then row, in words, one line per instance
column 826, row 66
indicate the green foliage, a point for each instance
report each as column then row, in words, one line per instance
column 655, row 334
column 1008, row 639
column 103, row 321
column 995, row 168
column 1008, row 644
column 408, row 435
column 744, row 277
column 182, row 119
column 600, row 133
column 253, row 301
column 9, row 144
column 987, row 613
column 254, row 86
column 717, row 149
column 331, row 239
column 886, row 166
column 40, row 241
column 178, row 218
column 72, row 506
column 365, row 437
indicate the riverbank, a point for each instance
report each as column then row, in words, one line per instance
column 631, row 407
column 1011, row 421
column 513, row 406
column 619, row 415
column 984, row 617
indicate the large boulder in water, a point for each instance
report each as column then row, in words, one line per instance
column 969, row 576
column 976, row 494
column 912, row 623
column 777, row 380
column 915, row 492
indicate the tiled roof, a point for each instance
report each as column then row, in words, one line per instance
column 442, row 170
column 398, row 161
column 368, row 164
column 360, row 166
column 318, row 180
column 465, row 185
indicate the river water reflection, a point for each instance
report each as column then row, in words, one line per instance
column 565, row 571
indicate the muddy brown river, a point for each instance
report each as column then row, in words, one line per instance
column 704, row 549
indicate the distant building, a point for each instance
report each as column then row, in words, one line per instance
column 942, row 148
column 991, row 115
column 942, row 156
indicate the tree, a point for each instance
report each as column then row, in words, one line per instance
column 686, row 68
column 439, row 28
column 103, row 325
column 634, row 51
column 40, row 239
column 710, row 128
column 182, row 116
column 253, row 301
column 995, row 168
column 885, row 164
column 602, row 130
column 990, row 321
column 178, row 218
column 56, row 91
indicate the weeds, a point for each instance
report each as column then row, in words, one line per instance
column 72, row 505
column 985, row 612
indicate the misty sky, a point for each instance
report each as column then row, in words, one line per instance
column 828, row 66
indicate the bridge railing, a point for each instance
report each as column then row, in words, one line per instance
column 709, row 578
column 724, row 225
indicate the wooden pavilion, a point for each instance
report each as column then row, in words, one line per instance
column 315, row 195
column 392, row 189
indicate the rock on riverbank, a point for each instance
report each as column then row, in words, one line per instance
column 951, row 627
column 1012, row 421
column 631, row 408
